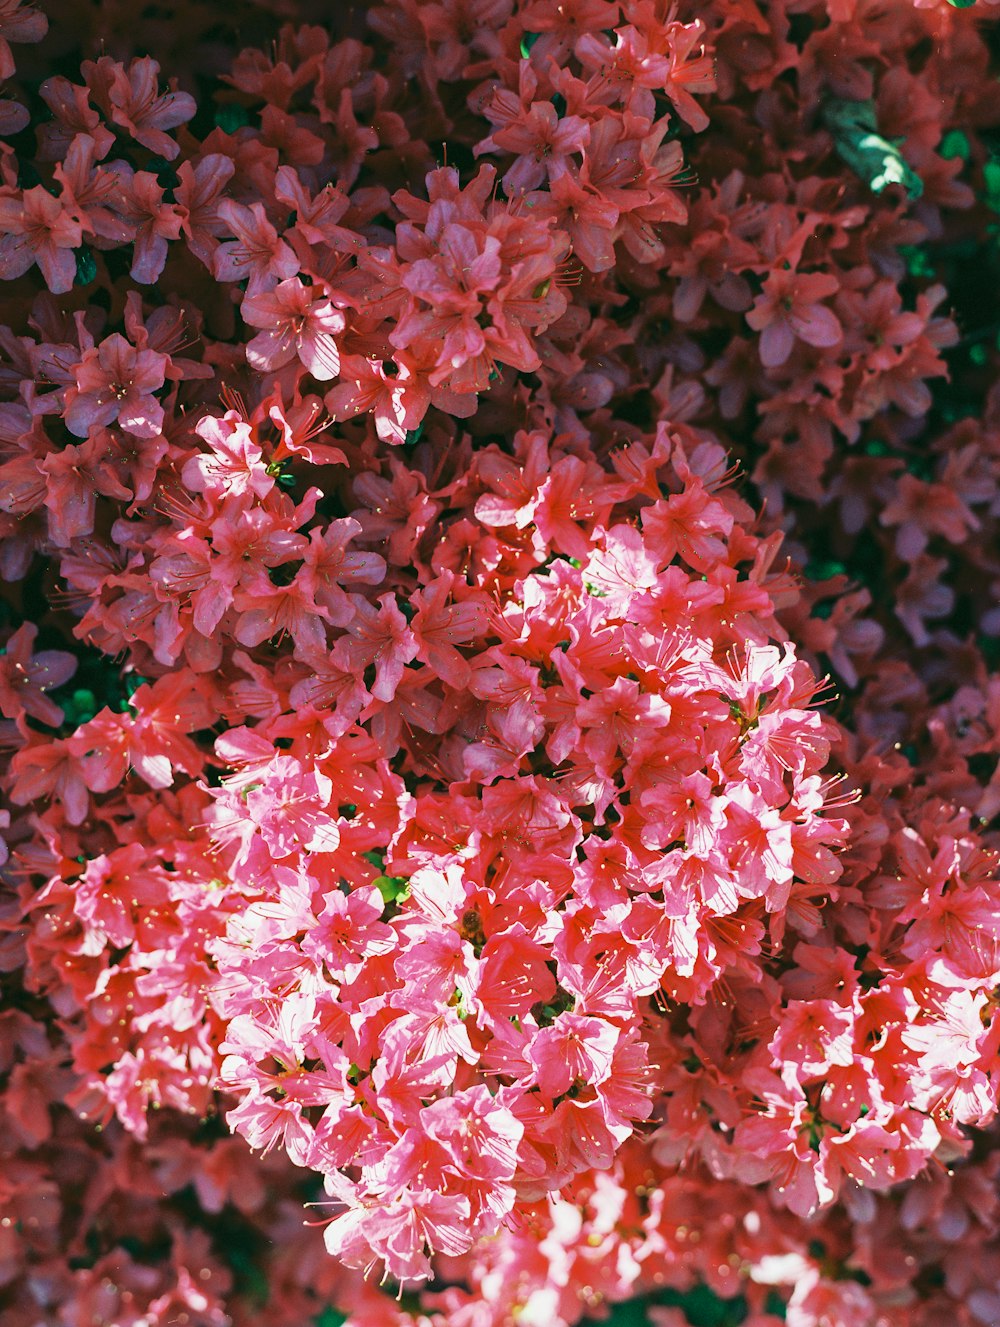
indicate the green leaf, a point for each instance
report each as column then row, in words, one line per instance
column 991, row 178
column 824, row 569
column 86, row 266
column 700, row 1305
column 990, row 649
column 705, row 1309
column 330, row 1318
column 133, row 681
column 231, row 117
column 164, row 172
column 918, row 264
column 955, row 144
column 630, row 1314
column 249, row 1278
column 873, row 158
column 80, row 707
column 393, row 888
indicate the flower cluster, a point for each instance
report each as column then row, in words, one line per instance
column 421, row 764
column 628, row 809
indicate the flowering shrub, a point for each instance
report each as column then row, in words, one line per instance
column 567, row 863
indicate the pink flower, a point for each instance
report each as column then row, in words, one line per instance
column 72, row 115
column 257, row 255
column 789, row 308
column 397, row 403
column 37, row 228
column 155, row 223
column 541, row 142
column 298, row 321
column 439, row 626
column 50, row 769
column 462, row 793
column 234, row 467
column 282, row 812
column 289, row 809
column 19, row 22
column 115, row 381
column 133, row 101
column 381, row 637
column 199, row 195
column 266, row 1124
column 479, row 1134
column 587, row 218
column 74, row 477
column 401, row 1233
column 811, row 1037
column 348, row 930
column 575, row 1047
column 25, row 677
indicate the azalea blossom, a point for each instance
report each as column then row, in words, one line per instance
column 539, row 785
column 296, row 323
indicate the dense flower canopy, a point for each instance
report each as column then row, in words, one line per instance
column 499, row 516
